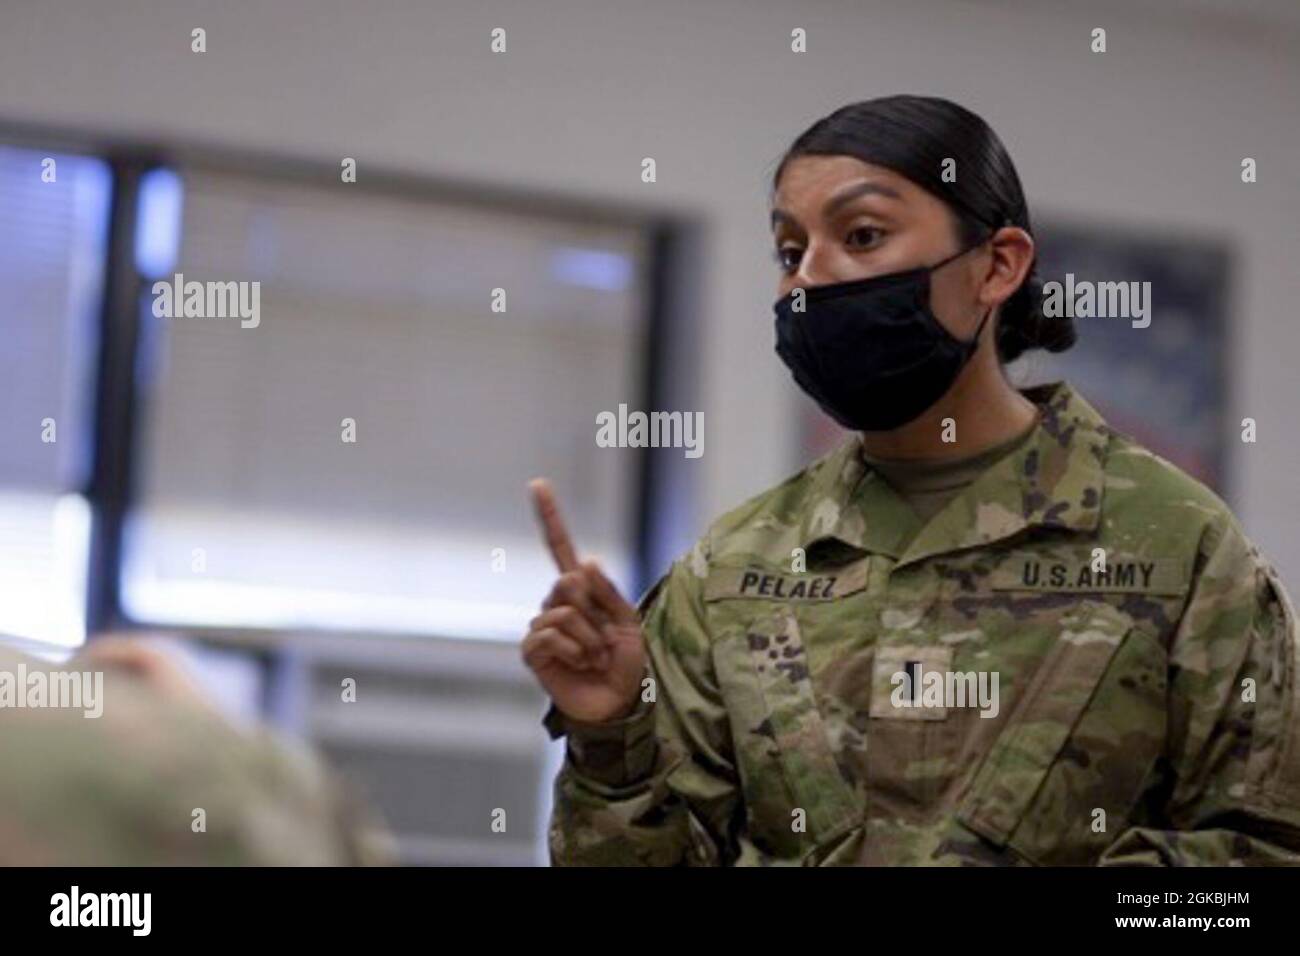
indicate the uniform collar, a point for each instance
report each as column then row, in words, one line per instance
column 1053, row 480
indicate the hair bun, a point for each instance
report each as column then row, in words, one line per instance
column 1024, row 327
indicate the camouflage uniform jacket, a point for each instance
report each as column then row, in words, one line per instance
column 1144, row 651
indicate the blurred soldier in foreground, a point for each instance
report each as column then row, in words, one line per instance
column 158, row 777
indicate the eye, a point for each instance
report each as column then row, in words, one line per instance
column 787, row 257
column 864, row 237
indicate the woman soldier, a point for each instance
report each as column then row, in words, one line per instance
column 987, row 629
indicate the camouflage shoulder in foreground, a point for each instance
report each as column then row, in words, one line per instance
column 102, row 769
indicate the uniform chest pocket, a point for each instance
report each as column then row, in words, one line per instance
column 1063, row 776
column 797, row 796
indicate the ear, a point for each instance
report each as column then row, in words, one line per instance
column 1011, row 258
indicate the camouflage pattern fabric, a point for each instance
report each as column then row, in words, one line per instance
column 123, row 788
column 1147, row 710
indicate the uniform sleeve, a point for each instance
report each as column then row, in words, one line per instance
column 657, row 788
column 1234, row 722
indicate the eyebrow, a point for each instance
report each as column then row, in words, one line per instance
column 836, row 202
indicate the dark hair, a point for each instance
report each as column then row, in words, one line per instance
column 913, row 135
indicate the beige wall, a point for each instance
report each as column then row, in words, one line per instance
column 1149, row 134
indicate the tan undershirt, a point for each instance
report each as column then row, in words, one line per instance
column 928, row 485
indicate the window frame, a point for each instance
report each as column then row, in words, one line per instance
column 119, row 401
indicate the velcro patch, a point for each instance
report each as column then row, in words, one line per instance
column 825, row 585
column 899, row 675
column 1030, row 571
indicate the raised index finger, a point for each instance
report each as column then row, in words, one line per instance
column 557, row 537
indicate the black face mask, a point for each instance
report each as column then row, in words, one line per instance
column 869, row 351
